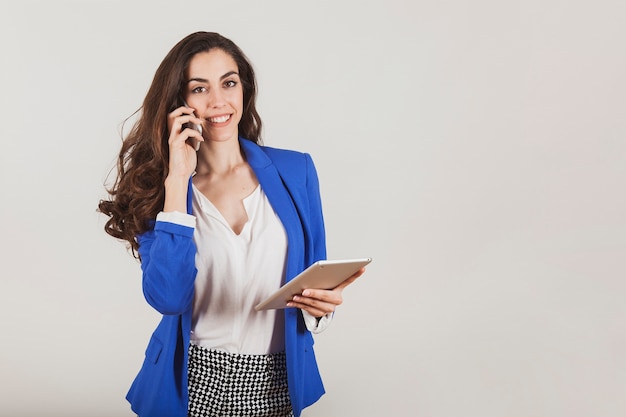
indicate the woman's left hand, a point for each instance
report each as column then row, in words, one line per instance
column 318, row 303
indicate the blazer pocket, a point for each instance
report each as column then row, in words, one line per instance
column 154, row 349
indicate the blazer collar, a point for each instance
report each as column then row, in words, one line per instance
column 254, row 154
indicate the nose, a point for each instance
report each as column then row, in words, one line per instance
column 215, row 98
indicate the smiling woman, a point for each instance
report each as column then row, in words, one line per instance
column 218, row 229
column 218, row 100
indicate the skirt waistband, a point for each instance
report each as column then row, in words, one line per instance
column 237, row 362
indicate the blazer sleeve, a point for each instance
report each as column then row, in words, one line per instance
column 168, row 265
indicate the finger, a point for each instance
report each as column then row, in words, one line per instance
column 181, row 133
column 191, row 132
column 326, row 301
column 327, row 296
column 179, row 121
column 314, row 311
column 194, row 138
column 180, row 111
column 180, row 116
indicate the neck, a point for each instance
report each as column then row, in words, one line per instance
column 219, row 157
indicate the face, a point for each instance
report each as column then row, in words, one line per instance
column 215, row 92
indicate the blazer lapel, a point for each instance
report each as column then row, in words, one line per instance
column 282, row 203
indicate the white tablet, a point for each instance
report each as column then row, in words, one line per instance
column 320, row 275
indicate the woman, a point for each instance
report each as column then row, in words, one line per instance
column 219, row 222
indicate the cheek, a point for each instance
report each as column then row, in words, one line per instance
column 193, row 102
column 240, row 100
column 237, row 95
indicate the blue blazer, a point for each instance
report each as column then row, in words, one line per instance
column 289, row 180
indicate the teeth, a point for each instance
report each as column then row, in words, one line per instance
column 220, row 119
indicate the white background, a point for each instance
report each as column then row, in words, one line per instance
column 475, row 149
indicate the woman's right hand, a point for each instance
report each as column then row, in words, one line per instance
column 183, row 158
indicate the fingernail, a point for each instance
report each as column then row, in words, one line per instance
column 306, row 293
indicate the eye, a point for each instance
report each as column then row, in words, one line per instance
column 198, row 90
column 230, row 83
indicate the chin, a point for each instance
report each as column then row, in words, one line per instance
column 223, row 137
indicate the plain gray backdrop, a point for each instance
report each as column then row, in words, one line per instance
column 474, row 149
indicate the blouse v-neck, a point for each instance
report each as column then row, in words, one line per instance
column 249, row 204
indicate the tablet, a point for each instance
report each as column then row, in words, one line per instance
column 320, row 275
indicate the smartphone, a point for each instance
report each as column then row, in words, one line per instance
column 193, row 141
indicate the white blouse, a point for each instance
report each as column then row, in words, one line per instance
column 236, row 272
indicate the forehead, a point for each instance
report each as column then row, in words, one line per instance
column 211, row 64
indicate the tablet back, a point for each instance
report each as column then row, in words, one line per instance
column 320, row 275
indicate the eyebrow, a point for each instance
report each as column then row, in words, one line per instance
column 204, row 80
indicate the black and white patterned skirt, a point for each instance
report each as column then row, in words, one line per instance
column 233, row 385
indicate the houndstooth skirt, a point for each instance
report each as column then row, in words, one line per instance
column 224, row 384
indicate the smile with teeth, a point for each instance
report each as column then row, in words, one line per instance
column 219, row 119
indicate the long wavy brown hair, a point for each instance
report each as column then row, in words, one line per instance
column 138, row 193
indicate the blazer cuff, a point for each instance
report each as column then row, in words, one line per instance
column 176, row 222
